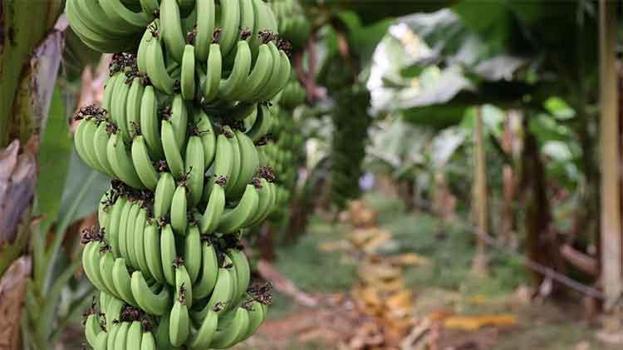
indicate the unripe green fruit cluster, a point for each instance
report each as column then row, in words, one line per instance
column 284, row 155
column 351, row 121
column 183, row 113
column 293, row 24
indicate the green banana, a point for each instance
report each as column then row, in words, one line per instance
column 227, row 334
column 214, row 210
column 259, row 76
column 249, row 162
column 195, row 168
column 163, row 195
column 152, row 251
column 265, row 202
column 139, row 240
column 100, row 341
column 135, row 336
column 148, row 342
column 171, row 29
column 171, row 149
column 235, row 162
column 100, row 141
column 223, row 159
column 90, row 262
column 179, row 323
column 155, row 65
column 257, row 315
column 236, row 80
column 247, row 17
column 192, row 252
column 150, row 6
column 142, row 163
column 122, row 281
column 87, row 135
column 168, row 253
column 133, row 106
column 213, row 73
column 127, row 235
column 187, row 79
column 205, row 333
column 209, row 272
column 222, row 294
column 179, row 205
column 106, row 263
column 230, row 24
column 149, row 122
column 236, row 218
column 92, row 329
column 122, row 335
column 208, row 137
column 243, row 270
column 121, row 161
column 154, row 304
column 183, row 284
column 112, row 335
column 118, row 103
column 116, row 11
column 179, row 120
column 205, row 28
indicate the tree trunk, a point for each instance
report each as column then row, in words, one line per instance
column 509, row 189
column 479, row 264
column 541, row 243
column 266, row 242
column 610, row 191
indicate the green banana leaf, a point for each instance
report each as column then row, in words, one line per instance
column 54, row 153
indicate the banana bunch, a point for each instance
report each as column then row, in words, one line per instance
column 293, row 24
column 218, row 51
column 281, row 153
column 351, row 120
column 199, row 301
column 179, row 129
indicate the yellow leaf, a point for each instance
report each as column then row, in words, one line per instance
column 471, row 323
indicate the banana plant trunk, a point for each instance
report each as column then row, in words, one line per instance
column 611, row 272
column 28, row 70
column 479, row 264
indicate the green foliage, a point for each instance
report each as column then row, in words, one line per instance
column 54, row 153
column 373, row 11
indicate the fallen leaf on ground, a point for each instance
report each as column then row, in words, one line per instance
column 409, row 259
column 470, row 323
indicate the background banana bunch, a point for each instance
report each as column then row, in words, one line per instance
column 351, row 121
column 293, row 24
column 182, row 112
column 284, row 153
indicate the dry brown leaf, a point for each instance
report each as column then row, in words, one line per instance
column 373, row 273
column 409, row 259
column 391, row 286
column 478, row 299
column 368, row 296
column 401, row 300
column 439, row 315
column 373, row 245
column 334, row 246
column 12, row 291
column 471, row 323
